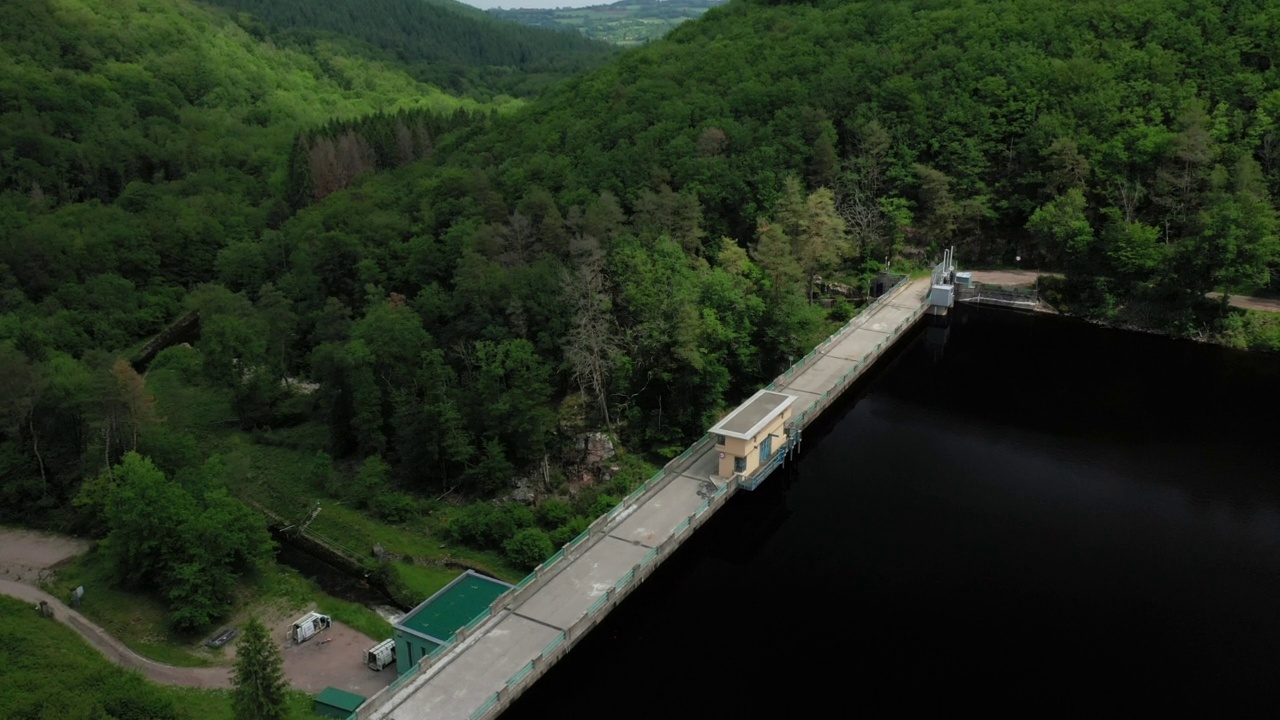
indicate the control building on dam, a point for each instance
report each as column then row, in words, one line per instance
column 482, row 667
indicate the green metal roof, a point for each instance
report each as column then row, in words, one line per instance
column 455, row 605
column 341, row 699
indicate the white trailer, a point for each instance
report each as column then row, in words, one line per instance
column 380, row 655
column 305, row 627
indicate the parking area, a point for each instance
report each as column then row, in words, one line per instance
column 333, row 658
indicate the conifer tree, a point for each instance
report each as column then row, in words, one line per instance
column 259, row 685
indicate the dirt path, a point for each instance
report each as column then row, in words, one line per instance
column 206, row 677
column 333, row 658
column 1008, row 278
column 1249, row 303
column 1013, row 278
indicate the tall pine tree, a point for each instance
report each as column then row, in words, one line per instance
column 260, row 687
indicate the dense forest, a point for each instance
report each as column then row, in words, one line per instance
column 451, row 299
column 445, row 43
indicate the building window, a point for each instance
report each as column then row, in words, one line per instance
column 719, row 439
column 739, row 464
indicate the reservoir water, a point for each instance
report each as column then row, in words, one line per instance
column 1021, row 512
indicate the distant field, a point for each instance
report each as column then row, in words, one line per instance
column 623, row 23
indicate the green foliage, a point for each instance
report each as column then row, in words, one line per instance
column 46, row 670
column 445, row 45
column 569, row 530
column 139, row 619
column 1063, row 231
column 395, row 507
column 181, row 359
column 369, row 481
column 554, row 512
column 291, row 586
column 423, row 581
column 528, row 547
column 1252, row 331
column 187, row 540
column 485, row 525
column 424, row 288
column 133, row 99
column 259, row 688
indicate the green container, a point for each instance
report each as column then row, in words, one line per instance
column 335, row 703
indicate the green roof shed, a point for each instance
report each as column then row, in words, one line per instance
column 335, row 703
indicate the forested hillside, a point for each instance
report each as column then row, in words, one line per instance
column 651, row 233
column 1133, row 144
column 139, row 139
column 634, row 252
column 444, row 43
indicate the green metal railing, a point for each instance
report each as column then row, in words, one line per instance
column 477, row 620
column 574, row 543
column 520, row 674
column 595, row 606
column 556, row 642
column 625, row 579
column 485, row 707
column 409, row 675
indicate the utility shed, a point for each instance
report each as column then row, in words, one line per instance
column 335, row 703
column 432, row 623
column 750, row 435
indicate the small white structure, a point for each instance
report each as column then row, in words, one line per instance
column 942, row 286
column 380, row 655
column 305, row 627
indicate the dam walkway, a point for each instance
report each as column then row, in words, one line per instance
column 499, row 654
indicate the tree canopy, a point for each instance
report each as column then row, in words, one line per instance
column 444, row 43
column 452, row 291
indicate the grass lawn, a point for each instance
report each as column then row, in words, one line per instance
column 289, row 586
column 139, row 620
column 48, row 671
column 424, row 581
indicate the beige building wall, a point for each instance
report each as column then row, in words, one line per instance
column 731, row 448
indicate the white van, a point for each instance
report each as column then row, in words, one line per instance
column 380, row 655
column 305, row 627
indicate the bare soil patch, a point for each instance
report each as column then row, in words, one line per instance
column 25, row 553
column 1008, row 278
column 1250, row 303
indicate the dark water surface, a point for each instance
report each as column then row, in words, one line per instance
column 1038, row 515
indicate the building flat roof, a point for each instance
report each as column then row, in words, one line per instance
column 453, row 606
column 751, row 416
column 341, row 699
